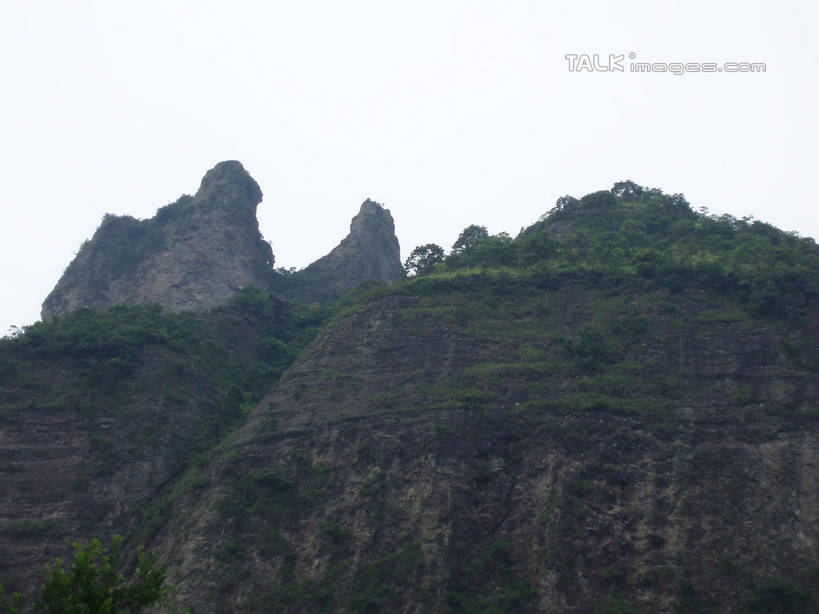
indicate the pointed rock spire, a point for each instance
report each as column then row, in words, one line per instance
column 191, row 256
column 369, row 252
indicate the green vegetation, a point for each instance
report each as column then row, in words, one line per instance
column 372, row 589
column 584, row 309
column 778, row 597
column 9, row 605
column 336, row 536
column 422, row 259
column 121, row 243
column 95, row 584
column 273, row 492
column 487, row 584
column 141, row 378
column 582, row 312
column 642, row 238
column 28, row 528
column 101, row 362
column 305, row 595
column 614, row 605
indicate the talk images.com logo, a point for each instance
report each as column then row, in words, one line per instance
column 613, row 63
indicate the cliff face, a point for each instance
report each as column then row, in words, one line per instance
column 96, row 430
column 614, row 413
column 196, row 253
column 369, row 252
column 446, row 453
column 193, row 255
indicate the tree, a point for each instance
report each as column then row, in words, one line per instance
column 496, row 250
column 15, row 331
column 599, row 200
column 9, row 606
column 627, row 190
column 423, row 258
column 562, row 204
column 469, row 238
column 93, row 584
column 536, row 247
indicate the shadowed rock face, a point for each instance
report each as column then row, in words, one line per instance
column 369, row 252
column 195, row 253
column 191, row 256
column 377, row 475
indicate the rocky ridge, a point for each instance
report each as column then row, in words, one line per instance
column 194, row 254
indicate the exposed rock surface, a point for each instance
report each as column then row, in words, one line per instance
column 540, row 439
column 193, row 255
column 369, row 252
column 91, row 442
column 69, row 476
column 389, row 471
column 196, row 253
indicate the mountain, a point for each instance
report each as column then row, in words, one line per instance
column 101, row 411
column 369, row 252
column 192, row 255
column 195, row 253
column 615, row 411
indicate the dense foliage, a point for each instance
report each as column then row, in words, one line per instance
column 94, row 584
column 638, row 236
column 100, row 361
column 9, row 604
column 619, row 276
column 423, row 259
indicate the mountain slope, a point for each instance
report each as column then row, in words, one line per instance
column 542, row 425
column 616, row 411
column 427, row 453
column 102, row 413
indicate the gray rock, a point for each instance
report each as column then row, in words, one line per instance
column 194, row 254
column 369, row 252
column 191, row 256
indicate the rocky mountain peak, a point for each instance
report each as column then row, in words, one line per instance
column 191, row 256
column 228, row 184
column 369, row 252
column 195, row 253
column 373, row 221
column 372, row 217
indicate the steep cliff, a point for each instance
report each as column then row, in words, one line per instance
column 369, row 252
column 102, row 413
column 452, row 450
column 196, row 253
column 191, row 256
column 615, row 412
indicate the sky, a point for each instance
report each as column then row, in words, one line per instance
column 450, row 113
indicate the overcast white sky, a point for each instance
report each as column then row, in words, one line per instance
column 448, row 112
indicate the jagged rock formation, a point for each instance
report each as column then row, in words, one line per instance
column 193, row 255
column 196, row 253
column 369, row 252
column 615, row 412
